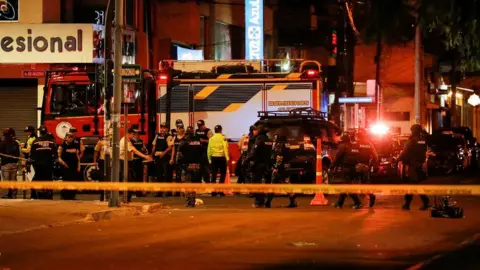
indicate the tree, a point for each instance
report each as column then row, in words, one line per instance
column 456, row 24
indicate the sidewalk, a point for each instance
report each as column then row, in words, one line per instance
column 25, row 215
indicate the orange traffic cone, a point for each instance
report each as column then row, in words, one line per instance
column 319, row 198
column 227, row 181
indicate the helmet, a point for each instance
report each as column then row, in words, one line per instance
column 361, row 134
column 73, row 130
column 43, row 130
column 281, row 134
column 179, row 122
column 262, row 129
column 345, row 137
column 416, row 129
column 218, row 129
column 29, row 129
column 200, row 123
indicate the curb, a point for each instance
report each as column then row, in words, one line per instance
column 125, row 210
column 462, row 245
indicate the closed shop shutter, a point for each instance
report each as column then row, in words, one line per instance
column 18, row 105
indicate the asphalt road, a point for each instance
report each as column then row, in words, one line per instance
column 226, row 233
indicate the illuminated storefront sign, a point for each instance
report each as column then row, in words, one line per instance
column 46, row 43
column 355, row 100
column 253, row 29
column 9, row 10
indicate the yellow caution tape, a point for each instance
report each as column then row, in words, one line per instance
column 249, row 188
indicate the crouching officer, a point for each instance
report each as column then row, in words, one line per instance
column 368, row 156
column 279, row 154
column 189, row 158
column 259, row 160
column 414, row 155
column 43, row 155
column 347, row 157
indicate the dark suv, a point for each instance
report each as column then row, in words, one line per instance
column 305, row 126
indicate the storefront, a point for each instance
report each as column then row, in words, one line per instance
column 27, row 51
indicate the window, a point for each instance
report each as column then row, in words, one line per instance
column 397, row 116
column 130, row 12
column 73, row 99
column 222, row 45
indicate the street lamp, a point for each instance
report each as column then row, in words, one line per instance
column 474, row 100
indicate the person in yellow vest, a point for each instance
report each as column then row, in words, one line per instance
column 27, row 146
column 218, row 156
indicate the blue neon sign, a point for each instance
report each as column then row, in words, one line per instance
column 253, row 29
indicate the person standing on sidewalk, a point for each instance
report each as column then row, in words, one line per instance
column 176, row 143
column 161, row 151
column 99, row 163
column 189, row 157
column 9, row 165
column 27, row 146
column 43, row 156
column 218, row 156
column 204, row 134
column 69, row 158
column 137, row 160
column 131, row 150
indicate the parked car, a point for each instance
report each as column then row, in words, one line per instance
column 305, row 126
column 472, row 149
column 448, row 153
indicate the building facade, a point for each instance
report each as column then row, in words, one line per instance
column 154, row 30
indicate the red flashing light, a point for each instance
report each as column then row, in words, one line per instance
column 75, row 68
column 312, row 73
column 163, row 78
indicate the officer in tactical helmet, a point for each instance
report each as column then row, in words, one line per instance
column 414, row 156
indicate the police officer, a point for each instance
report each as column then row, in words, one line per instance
column 161, row 152
column 241, row 164
column 27, row 146
column 189, row 158
column 76, row 141
column 218, row 156
column 204, row 134
column 414, row 155
column 259, row 159
column 69, row 158
column 42, row 155
column 137, row 170
column 9, row 166
column 368, row 156
column 347, row 157
column 174, row 132
column 279, row 154
column 176, row 142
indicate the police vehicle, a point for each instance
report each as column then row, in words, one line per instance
column 305, row 126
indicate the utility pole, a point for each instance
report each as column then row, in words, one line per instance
column 418, row 72
column 117, row 101
column 107, row 94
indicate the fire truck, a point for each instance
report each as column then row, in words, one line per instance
column 228, row 93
